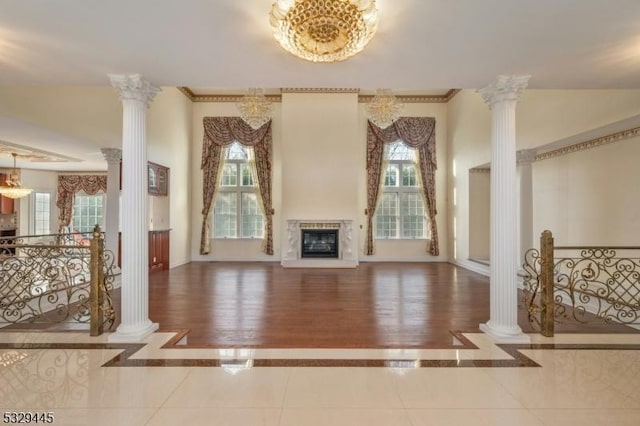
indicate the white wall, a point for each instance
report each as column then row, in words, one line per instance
column 543, row 116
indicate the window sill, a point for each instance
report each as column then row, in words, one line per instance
column 237, row 239
column 401, row 239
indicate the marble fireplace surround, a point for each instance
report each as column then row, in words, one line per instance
column 291, row 255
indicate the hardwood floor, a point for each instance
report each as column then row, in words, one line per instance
column 377, row 305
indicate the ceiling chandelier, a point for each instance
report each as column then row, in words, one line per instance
column 12, row 188
column 324, row 30
column 384, row 109
column 255, row 109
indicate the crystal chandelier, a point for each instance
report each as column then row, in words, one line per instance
column 324, row 30
column 384, row 109
column 12, row 188
column 255, row 109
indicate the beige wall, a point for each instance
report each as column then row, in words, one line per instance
column 479, row 215
column 93, row 115
column 589, row 197
column 408, row 250
column 543, row 116
column 169, row 144
column 319, row 173
column 231, row 249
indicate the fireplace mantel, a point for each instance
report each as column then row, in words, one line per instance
column 348, row 240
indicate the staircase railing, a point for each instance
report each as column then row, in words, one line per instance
column 581, row 284
column 57, row 278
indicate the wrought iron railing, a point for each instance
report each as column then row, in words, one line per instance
column 581, row 284
column 57, row 278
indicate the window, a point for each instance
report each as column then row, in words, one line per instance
column 237, row 212
column 87, row 212
column 401, row 212
column 41, row 213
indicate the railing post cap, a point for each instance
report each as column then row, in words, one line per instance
column 96, row 232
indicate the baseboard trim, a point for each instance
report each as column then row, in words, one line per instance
column 472, row 266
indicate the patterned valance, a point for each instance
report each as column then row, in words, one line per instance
column 418, row 133
column 223, row 131
column 69, row 185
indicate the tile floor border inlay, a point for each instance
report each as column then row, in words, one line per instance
column 124, row 358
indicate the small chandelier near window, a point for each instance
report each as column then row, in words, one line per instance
column 255, row 109
column 12, row 188
column 324, row 30
column 384, row 109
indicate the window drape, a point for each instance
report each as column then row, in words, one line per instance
column 69, row 185
column 418, row 133
column 218, row 133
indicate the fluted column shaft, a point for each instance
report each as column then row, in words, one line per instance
column 136, row 94
column 502, row 97
column 113, row 157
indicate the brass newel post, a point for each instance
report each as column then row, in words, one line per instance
column 97, row 278
column 546, row 284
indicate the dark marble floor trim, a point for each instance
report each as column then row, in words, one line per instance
column 123, row 359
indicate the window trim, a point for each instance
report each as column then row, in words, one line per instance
column 104, row 207
column 32, row 210
column 400, row 189
column 238, row 189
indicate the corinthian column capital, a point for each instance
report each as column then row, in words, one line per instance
column 504, row 88
column 112, row 155
column 134, row 87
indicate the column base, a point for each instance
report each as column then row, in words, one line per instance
column 501, row 334
column 133, row 334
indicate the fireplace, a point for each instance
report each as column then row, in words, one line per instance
column 320, row 243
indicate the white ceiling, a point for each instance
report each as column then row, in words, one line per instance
column 225, row 46
column 420, row 44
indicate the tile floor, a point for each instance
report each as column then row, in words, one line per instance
column 586, row 380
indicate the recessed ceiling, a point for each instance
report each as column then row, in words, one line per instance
column 420, row 44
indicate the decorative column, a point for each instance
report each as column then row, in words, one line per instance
column 113, row 157
column 136, row 94
column 502, row 97
column 525, row 159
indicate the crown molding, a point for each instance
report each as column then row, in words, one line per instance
column 187, row 92
column 417, row 99
column 480, row 170
column 407, row 99
column 318, row 90
column 221, row 98
column 592, row 143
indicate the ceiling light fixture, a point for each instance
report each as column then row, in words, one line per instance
column 324, row 30
column 12, row 188
column 384, row 109
column 255, row 109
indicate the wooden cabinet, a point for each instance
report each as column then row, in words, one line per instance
column 6, row 203
column 158, row 251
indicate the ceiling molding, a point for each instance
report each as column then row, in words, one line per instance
column 32, row 154
column 417, row 99
column 187, row 92
column 480, row 170
column 407, row 99
column 592, row 143
column 318, row 90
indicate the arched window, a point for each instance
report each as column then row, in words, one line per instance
column 401, row 213
column 237, row 212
